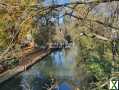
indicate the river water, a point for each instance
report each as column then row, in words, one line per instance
column 61, row 65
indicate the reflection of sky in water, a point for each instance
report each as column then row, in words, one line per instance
column 58, row 58
column 65, row 86
column 65, row 62
column 63, row 65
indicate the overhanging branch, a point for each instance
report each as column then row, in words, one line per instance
column 97, row 21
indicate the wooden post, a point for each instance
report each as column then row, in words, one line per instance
column 114, row 50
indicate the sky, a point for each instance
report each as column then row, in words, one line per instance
column 49, row 2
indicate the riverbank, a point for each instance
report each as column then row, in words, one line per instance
column 26, row 62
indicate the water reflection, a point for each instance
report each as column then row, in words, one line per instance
column 64, row 66
column 55, row 65
column 58, row 58
column 65, row 86
column 31, row 80
column 60, row 65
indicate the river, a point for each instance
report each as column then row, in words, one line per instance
column 60, row 65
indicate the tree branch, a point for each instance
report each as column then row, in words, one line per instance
column 97, row 21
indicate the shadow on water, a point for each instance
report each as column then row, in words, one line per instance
column 11, row 84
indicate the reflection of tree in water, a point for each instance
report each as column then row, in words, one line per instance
column 33, row 80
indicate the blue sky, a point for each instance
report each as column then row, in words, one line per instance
column 49, row 2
